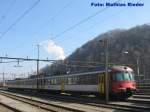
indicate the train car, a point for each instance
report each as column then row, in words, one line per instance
column 121, row 82
column 1, row 84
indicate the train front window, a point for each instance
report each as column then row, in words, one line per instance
column 123, row 76
column 131, row 76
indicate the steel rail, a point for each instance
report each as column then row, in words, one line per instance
column 142, row 96
column 10, row 107
column 100, row 104
column 47, row 106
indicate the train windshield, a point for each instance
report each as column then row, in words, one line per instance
column 123, row 76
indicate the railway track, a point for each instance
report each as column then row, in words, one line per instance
column 124, row 106
column 143, row 99
column 129, row 105
column 140, row 101
column 142, row 96
column 6, row 108
column 42, row 105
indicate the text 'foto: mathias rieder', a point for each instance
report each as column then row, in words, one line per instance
column 130, row 4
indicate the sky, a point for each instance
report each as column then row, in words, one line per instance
column 59, row 26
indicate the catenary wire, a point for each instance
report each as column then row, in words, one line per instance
column 62, row 9
column 52, row 18
column 95, row 24
column 80, row 22
column 19, row 18
column 4, row 15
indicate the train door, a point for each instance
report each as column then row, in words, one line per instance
column 101, row 83
column 41, row 82
column 62, row 84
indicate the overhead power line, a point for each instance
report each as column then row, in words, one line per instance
column 51, row 18
column 19, row 18
column 8, row 62
column 7, row 11
column 28, row 59
column 62, row 9
column 82, row 21
column 95, row 24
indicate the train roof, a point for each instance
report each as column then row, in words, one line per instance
column 122, row 68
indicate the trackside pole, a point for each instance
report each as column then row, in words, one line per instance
column 106, row 71
column 105, row 42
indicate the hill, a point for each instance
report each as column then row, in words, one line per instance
column 135, row 41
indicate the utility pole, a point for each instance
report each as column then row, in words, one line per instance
column 3, row 76
column 138, row 71
column 144, row 72
column 38, row 65
column 38, row 46
column 106, row 71
column 105, row 42
column 3, row 79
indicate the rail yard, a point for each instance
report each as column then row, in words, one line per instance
column 62, row 102
column 74, row 56
column 77, row 92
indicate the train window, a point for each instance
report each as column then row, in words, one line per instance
column 127, row 76
column 86, row 79
column 69, row 80
column 132, row 76
column 83, row 79
column 28, row 82
column 65, row 80
column 55, row 81
column 48, row 81
column 78, row 80
column 51, row 81
column 118, row 77
column 60, row 80
column 74, row 80
column 94, row 79
column 121, row 76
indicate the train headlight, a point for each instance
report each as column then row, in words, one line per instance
column 123, row 90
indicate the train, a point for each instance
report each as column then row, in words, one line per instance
column 121, row 82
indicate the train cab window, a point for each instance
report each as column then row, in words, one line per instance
column 132, row 76
column 127, row 76
column 123, row 76
column 118, row 76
